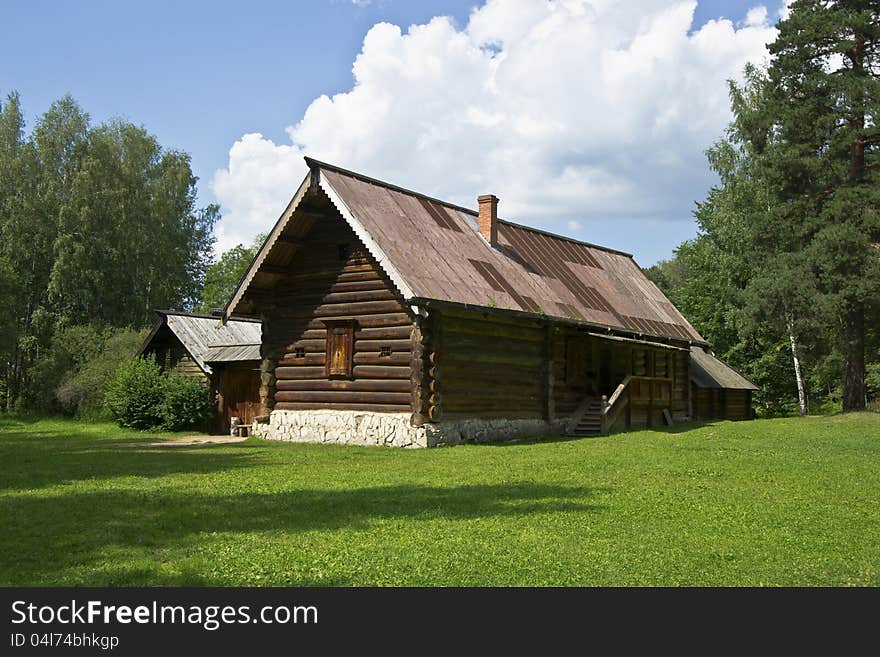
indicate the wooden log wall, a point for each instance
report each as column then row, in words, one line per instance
column 739, row 405
column 329, row 281
column 722, row 404
column 487, row 366
column 172, row 356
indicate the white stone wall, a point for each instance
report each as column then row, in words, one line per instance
column 391, row 429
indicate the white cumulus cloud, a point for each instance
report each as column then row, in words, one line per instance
column 586, row 117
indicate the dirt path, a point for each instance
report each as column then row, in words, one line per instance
column 194, row 441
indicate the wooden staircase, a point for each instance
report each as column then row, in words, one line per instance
column 587, row 419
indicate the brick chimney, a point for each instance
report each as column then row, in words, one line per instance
column 488, row 219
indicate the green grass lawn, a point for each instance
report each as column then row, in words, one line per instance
column 769, row 502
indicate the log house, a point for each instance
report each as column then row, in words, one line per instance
column 389, row 317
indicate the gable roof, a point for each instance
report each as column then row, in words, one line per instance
column 709, row 372
column 432, row 250
column 207, row 340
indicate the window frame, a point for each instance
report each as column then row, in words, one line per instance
column 340, row 331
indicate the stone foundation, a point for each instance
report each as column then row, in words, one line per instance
column 391, row 429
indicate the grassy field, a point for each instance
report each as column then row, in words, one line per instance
column 769, row 502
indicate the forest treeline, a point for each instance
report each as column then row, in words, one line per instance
column 99, row 226
column 784, row 275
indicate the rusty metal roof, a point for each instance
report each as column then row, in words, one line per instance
column 207, row 340
column 431, row 249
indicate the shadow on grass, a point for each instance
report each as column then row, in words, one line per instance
column 42, row 536
column 683, row 427
column 535, row 440
column 680, row 427
column 43, row 457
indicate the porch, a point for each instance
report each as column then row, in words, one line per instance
column 609, row 383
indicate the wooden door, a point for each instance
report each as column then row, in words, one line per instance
column 240, row 393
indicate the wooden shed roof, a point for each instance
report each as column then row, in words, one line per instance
column 709, row 372
column 208, row 340
column 432, row 249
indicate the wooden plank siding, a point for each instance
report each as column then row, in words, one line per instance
column 172, row 356
column 722, row 404
column 333, row 277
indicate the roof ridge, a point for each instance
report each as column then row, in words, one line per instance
column 312, row 162
column 184, row 313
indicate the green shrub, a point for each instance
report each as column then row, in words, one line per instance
column 136, row 394
column 83, row 388
column 872, row 380
column 185, row 404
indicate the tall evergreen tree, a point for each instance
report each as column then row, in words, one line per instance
column 824, row 149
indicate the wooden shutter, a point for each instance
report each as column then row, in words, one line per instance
column 339, row 360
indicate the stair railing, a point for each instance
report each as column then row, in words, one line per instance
column 614, row 405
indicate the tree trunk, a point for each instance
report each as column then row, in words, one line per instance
column 12, row 386
column 803, row 401
column 854, row 391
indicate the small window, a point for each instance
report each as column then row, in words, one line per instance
column 344, row 251
column 385, row 352
column 299, row 352
column 339, row 362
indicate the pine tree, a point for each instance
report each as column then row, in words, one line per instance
column 823, row 149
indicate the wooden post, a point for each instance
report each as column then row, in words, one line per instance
column 629, row 405
column 219, row 401
column 687, row 386
column 548, row 376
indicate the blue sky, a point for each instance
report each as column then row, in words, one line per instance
column 200, row 75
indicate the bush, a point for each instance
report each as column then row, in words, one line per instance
column 872, row 380
column 136, row 394
column 185, row 404
column 83, row 389
column 66, row 348
column 142, row 397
